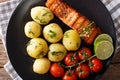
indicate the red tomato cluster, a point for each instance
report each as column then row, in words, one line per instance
column 82, row 62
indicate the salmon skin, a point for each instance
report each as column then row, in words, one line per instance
column 85, row 27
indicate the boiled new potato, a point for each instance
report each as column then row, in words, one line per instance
column 57, row 52
column 41, row 65
column 53, row 33
column 71, row 40
column 32, row 29
column 41, row 15
column 37, row 47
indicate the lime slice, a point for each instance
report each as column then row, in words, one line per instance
column 103, row 49
column 103, row 36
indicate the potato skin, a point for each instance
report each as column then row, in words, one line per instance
column 41, row 65
column 71, row 40
column 53, row 33
column 37, row 47
column 41, row 14
column 57, row 52
column 32, row 29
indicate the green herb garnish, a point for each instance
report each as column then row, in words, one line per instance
column 52, row 34
column 86, row 30
column 30, row 32
column 41, row 20
column 40, row 54
column 47, row 12
column 57, row 52
column 66, row 35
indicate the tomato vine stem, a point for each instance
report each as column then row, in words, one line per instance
column 69, row 67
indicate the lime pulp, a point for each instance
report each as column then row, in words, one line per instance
column 103, row 49
column 103, row 36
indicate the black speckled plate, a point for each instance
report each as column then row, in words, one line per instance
column 16, row 40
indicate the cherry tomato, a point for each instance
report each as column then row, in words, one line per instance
column 70, row 59
column 95, row 64
column 83, row 71
column 70, row 75
column 56, row 70
column 84, row 53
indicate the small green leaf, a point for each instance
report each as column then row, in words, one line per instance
column 55, row 52
column 41, row 20
column 30, row 32
column 66, row 35
column 52, row 34
column 86, row 30
column 37, row 18
column 40, row 54
column 84, row 54
column 47, row 12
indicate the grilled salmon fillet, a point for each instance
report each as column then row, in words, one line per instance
column 85, row 27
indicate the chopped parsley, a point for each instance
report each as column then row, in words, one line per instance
column 41, row 20
column 86, row 30
column 66, row 35
column 46, row 13
column 30, row 32
column 57, row 52
column 36, row 46
column 70, row 42
column 52, row 34
column 40, row 54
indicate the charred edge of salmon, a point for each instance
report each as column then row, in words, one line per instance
column 73, row 19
